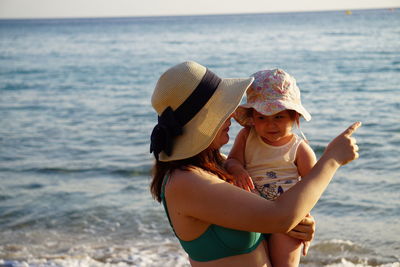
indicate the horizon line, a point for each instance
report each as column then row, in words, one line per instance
column 200, row 14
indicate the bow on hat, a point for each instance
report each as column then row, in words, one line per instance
column 163, row 134
column 170, row 123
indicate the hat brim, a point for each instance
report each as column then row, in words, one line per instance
column 243, row 118
column 200, row 131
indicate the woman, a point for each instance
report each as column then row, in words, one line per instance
column 217, row 223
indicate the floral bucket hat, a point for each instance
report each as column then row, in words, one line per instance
column 271, row 92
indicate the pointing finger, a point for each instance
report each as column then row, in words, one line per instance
column 349, row 131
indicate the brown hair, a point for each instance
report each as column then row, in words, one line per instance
column 209, row 160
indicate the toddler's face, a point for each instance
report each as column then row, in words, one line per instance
column 276, row 129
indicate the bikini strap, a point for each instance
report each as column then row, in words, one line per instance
column 166, row 178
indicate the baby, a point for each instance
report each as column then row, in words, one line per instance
column 267, row 157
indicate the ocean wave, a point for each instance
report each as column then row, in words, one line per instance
column 165, row 253
column 346, row 263
column 15, row 86
column 30, row 186
column 342, row 208
column 352, row 34
column 135, row 171
column 168, row 253
column 345, row 253
column 23, row 71
column 337, row 246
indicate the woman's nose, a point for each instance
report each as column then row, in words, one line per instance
column 228, row 120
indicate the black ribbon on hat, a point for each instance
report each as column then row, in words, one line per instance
column 170, row 123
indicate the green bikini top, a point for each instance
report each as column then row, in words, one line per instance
column 217, row 241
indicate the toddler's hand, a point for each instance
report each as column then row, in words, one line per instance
column 243, row 180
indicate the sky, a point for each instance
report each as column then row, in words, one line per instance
column 124, row 8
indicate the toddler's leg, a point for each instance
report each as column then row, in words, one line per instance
column 267, row 253
column 284, row 251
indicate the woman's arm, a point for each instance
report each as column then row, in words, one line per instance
column 305, row 161
column 204, row 197
column 340, row 151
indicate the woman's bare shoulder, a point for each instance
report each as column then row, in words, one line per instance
column 191, row 178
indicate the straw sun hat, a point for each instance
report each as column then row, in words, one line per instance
column 271, row 92
column 192, row 103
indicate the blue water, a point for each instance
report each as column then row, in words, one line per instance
column 75, row 118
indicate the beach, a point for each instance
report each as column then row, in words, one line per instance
column 76, row 117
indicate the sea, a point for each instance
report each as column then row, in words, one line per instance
column 75, row 120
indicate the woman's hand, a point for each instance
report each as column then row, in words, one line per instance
column 304, row 231
column 343, row 148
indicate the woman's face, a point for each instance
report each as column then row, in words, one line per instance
column 222, row 136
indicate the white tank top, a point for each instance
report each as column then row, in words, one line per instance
column 271, row 168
